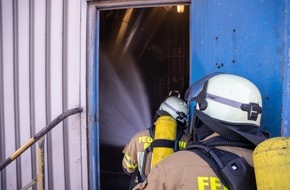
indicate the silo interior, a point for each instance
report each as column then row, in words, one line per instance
column 144, row 54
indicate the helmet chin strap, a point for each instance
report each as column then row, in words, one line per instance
column 230, row 132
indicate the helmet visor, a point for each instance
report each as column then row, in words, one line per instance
column 195, row 89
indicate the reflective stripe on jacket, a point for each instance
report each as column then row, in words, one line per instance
column 134, row 151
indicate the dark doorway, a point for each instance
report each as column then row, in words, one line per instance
column 144, row 55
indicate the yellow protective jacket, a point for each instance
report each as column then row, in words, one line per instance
column 134, row 152
column 185, row 170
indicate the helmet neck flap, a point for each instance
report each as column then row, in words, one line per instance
column 231, row 132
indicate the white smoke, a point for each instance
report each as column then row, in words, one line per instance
column 123, row 102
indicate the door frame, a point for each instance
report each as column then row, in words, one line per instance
column 93, row 23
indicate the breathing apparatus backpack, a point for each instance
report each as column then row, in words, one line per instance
column 166, row 136
column 234, row 171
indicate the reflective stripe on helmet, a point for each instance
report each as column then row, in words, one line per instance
column 182, row 118
column 253, row 109
column 170, row 107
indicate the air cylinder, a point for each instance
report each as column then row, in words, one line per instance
column 272, row 164
column 165, row 129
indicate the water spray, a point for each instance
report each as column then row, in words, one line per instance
column 124, row 105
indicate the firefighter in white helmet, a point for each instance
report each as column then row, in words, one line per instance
column 138, row 153
column 225, row 130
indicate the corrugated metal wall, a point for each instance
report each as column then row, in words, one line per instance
column 42, row 74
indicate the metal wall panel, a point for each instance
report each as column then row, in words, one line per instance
column 42, row 74
column 8, row 83
column 21, row 92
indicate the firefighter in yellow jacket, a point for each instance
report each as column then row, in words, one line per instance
column 225, row 130
column 138, row 153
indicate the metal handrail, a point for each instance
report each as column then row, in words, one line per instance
column 39, row 135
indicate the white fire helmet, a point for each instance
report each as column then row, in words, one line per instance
column 228, row 98
column 177, row 108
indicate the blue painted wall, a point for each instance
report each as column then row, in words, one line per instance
column 244, row 37
column 286, row 83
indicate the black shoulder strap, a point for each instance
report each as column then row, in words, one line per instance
column 160, row 143
column 233, row 171
column 135, row 179
column 156, row 143
column 202, row 151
